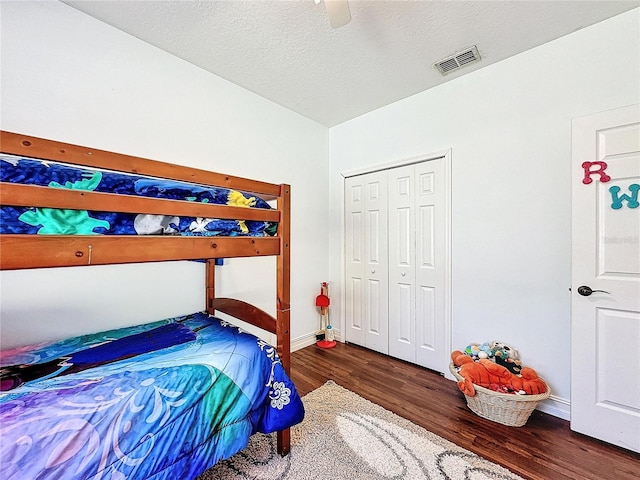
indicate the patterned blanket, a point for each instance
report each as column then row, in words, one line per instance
column 164, row 400
column 27, row 220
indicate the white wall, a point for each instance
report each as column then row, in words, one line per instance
column 68, row 77
column 509, row 128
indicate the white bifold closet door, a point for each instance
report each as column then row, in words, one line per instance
column 367, row 282
column 417, row 246
column 396, row 253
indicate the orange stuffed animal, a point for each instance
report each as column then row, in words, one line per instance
column 485, row 373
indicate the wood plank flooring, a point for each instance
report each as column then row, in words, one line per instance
column 544, row 449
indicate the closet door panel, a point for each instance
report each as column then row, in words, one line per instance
column 425, row 291
column 403, row 241
column 402, row 323
column 376, row 269
column 430, row 264
column 354, row 307
column 375, row 326
column 425, row 320
column 373, row 239
column 355, row 261
column 425, row 237
column 402, row 263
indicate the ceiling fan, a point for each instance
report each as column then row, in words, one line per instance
column 338, row 11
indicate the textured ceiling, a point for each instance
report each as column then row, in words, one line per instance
column 287, row 52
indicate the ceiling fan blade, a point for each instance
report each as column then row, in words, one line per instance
column 338, row 11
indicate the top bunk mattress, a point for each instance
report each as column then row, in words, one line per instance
column 41, row 220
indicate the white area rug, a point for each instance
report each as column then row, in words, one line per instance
column 344, row 436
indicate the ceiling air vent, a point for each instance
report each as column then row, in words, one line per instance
column 455, row 61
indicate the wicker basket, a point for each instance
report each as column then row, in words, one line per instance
column 505, row 408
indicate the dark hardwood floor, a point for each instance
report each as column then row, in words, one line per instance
column 544, row 449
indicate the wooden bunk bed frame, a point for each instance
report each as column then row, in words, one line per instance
column 43, row 251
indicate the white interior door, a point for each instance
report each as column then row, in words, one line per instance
column 605, row 318
column 367, row 263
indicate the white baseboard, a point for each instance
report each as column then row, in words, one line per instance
column 556, row 406
column 302, row 342
column 308, row 339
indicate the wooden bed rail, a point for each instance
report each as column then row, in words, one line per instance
column 38, row 196
column 243, row 310
column 45, row 251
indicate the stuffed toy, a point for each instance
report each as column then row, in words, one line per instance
column 485, row 351
column 476, row 350
column 458, row 358
column 506, row 356
column 487, row 374
column 472, row 350
column 503, row 350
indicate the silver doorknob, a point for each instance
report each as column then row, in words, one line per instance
column 403, row 273
column 585, row 291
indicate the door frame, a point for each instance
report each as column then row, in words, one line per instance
column 445, row 155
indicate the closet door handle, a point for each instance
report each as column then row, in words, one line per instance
column 403, row 274
column 373, row 271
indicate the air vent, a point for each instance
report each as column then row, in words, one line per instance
column 460, row 59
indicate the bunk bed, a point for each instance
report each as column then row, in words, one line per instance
column 180, row 402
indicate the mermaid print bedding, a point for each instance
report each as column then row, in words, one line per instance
column 164, row 400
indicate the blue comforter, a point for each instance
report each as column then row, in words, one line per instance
column 164, row 400
column 25, row 220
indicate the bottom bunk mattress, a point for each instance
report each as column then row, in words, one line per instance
column 164, row 400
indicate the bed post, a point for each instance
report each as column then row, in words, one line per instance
column 210, row 285
column 283, row 317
